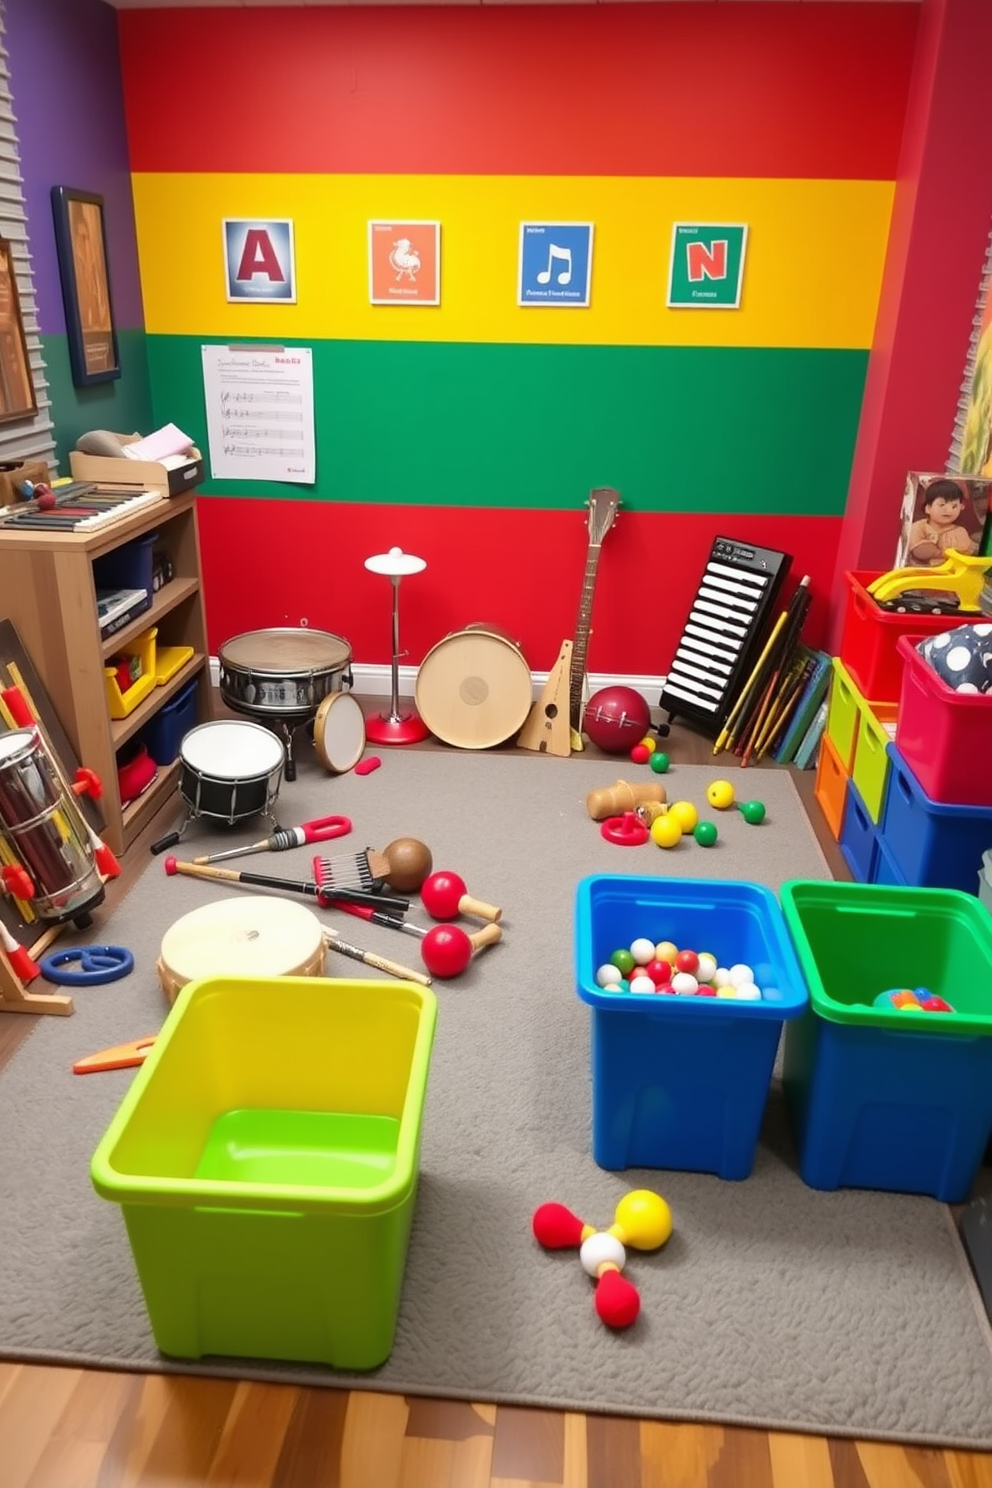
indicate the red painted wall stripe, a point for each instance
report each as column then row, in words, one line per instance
column 266, row 564
column 750, row 89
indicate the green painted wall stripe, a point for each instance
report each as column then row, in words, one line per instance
column 122, row 406
column 680, row 429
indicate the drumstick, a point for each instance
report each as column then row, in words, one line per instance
column 286, row 837
column 322, row 893
column 334, row 943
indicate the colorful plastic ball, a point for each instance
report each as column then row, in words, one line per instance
column 687, row 961
column 707, row 967
column 623, row 960
column 615, row 718
column 740, row 973
column 685, row 984
column 685, row 814
column 666, row 831
column 753, row 812
column 639, row 755
column 659, row 971
column 609, row 975
column 641, row 983
column 642, row 1220
column 748, row 992
column 598, row 1250
column 660, row 762
column 666, row 950
column 962, row 657
column 649, row 744
column 721, row 977
column 642, row 950
column 704, row 833
column 720, row 795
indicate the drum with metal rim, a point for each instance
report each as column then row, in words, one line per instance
column 283, row 673
column 474, row 687
column 257, row 936
column 230, row 770
column 339, row 732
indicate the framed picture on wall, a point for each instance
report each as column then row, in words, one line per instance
column 404, row 263
column 81, row 241
column 17, row 395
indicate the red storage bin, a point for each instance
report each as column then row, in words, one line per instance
column 945, row 737
column 870, row 638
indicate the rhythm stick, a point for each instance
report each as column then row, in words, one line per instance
column 726, row 735
column 796, row 613
column 334, row 943
column 320, row 892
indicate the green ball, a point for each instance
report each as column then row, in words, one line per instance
column 623, row 961
column 659, row 762
column 753, row 812
column 704, row 833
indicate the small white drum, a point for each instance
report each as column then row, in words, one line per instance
column 339, row 732
column 260, row 936
column 474, row 688
column 230, row 770
column 44, row 831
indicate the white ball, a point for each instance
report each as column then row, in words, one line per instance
column 748, row 992
column 641, row 984
column 600, row 1248
column 740, row 973
column 685, row 984
column 706, row 970
column 609, row 975
column 642, row 951
column 720, row 978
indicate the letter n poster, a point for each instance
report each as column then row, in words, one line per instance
column 405, row 263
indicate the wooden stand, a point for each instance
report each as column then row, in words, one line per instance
column 15, row 998
column 547, row 729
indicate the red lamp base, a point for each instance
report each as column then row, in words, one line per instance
column 405, row 728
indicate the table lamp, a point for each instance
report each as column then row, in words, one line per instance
column 395, row 727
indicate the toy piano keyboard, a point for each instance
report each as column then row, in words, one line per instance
column 723, row 632
column 80, row 506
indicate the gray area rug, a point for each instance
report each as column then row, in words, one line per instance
column 772, row 1305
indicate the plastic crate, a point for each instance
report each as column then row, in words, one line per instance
column 881, row 1097
column 944, row 736
column 885, row 870
column 843, row 714
column 870, row 775
column 127, row 567
column 858, row 838
column 830, row 786
column 119, row 703
column 164, row 733
column 682, row 1082
column 266, row 1160
column 933, row 845
column 870, row 637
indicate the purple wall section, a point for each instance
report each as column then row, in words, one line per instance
column 66, row 86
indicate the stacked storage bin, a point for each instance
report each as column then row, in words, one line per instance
column 855, row 764
column 937, row 817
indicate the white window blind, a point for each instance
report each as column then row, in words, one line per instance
column 971, row 442
column 32, row 437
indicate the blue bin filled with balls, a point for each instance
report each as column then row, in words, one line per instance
column 684, row 1039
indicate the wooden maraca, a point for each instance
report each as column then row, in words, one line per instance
column 447, row 950
column 614, row 800
column 445, row 897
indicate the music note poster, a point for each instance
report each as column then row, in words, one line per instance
column 260, row 423
column 555, row 263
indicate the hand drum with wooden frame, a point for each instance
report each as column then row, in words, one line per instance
column 474, row 688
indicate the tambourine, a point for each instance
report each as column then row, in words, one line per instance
column 339, row 732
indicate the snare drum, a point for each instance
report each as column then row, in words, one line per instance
column 339, row 732
column 283, row 673
column 45, row 831
column 474, row 688
column 260, row 936
column 230, row 769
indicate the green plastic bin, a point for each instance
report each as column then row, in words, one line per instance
column 266, row 1159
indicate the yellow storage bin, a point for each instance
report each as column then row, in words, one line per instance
column 843, row 714
column 169, row 660
column 121, row 703
column 876, row 729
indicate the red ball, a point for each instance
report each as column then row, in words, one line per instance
column 687, row 961
column 640, row 754
column 446, row 951
column 616, row 718
column 660, row 972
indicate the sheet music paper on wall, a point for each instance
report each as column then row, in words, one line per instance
column 260, row 412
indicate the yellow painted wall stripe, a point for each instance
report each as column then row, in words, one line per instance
column 815, row 256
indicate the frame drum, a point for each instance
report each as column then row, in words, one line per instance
column 474, row 688
column 230, row 769
column 339, row 732
column 283, row 673
column 260, row 936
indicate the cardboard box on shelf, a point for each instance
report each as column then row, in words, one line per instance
column 163, row 477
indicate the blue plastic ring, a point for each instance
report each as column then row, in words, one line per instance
column 98, row 964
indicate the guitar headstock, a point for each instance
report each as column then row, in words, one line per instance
column 604, row 502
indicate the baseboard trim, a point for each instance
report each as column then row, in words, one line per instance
column 377, row 681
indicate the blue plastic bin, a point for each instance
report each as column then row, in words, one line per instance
column 682, row 1082
column 164, row 733
column 885, row 870
column 127, row 567
column 933, row 846
column 882, row 1097
column 858, row 837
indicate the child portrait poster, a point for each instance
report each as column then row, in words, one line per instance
column 941, row 512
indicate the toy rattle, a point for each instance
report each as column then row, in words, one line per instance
column 642, row 1220
column 445, row 897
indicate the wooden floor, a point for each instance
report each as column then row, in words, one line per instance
column 70, row 1428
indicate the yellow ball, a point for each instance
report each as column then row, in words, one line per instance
column 666, row 950
column 720, row 795
column 649, row 744
column 666, row 830
column 685, row 814
column 643, row 1220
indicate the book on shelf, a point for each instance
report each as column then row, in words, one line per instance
column 817, row 671
column 809, row 749
column 118, row 607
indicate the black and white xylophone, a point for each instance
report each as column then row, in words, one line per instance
column 723, row 632
column 81, row 506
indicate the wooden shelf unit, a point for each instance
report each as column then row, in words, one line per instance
column 48, row 592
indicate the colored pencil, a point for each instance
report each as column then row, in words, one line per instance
column 726, row 735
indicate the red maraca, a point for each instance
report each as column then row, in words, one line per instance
column 445, row 897
column 446, row 950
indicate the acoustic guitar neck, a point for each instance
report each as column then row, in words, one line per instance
column 603, row 504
